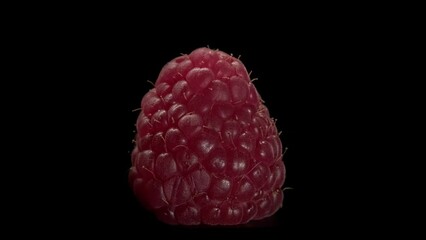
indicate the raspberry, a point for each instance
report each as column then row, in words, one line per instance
column 207, row 151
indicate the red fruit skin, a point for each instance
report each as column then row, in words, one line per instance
column 207, row 151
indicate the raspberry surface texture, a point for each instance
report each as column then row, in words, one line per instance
column 207, row 150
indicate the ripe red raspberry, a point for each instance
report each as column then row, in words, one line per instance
column 207, row 151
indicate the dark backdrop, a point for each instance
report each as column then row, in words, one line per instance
column 309, row 74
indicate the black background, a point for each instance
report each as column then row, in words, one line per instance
column 310, row 75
